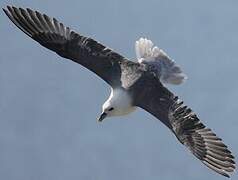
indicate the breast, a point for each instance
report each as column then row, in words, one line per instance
column 124, row 111
column 122, row 101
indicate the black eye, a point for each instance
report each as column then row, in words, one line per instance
column 110, row 109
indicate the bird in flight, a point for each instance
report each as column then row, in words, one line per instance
column 133, row 84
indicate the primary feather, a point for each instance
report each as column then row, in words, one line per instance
column 133, row 83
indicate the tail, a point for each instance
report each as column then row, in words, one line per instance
column 168, row 71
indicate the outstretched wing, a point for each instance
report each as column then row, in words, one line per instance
column 83, row 50
column 184, row 123
column 159, row 62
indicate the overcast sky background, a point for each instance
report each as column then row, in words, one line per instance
column 49, row 106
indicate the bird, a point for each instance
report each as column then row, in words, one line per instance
column 134, row 84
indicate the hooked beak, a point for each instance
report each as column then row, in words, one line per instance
column 102, row 116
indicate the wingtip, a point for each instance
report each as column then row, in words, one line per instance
column 7, row 8
column 4, row 9
column 227, row 175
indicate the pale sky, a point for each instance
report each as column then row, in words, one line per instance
column 49, row 106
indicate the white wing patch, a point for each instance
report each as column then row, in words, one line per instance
column 167, row 70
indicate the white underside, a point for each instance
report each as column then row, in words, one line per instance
column 120, row 100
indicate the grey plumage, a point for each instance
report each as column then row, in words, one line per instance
column 144, row 86
column 186, row 126
column 83, row 50
column 159, row 62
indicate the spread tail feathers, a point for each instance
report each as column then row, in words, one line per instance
column 167, row 70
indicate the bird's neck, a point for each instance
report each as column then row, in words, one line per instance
column 121, row 100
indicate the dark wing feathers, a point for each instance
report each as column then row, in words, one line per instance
column 156, row 99
column 185, row 124
column 201, row 141
column 55, row 36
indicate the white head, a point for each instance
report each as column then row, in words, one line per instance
column 118, row 104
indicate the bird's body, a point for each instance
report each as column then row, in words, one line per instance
column 134, row 84
column 151, row 57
